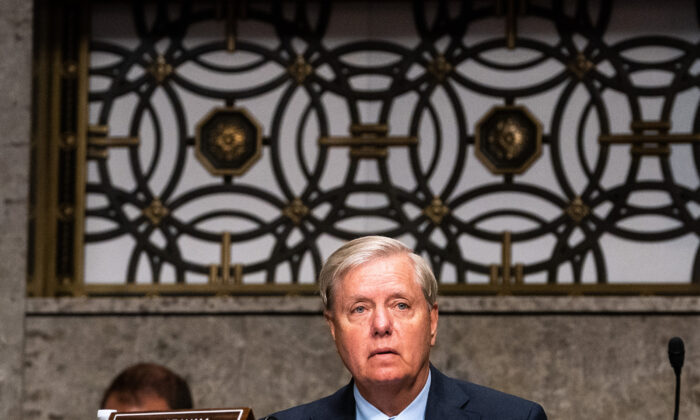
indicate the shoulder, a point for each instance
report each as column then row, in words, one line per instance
column 337, row 405
column 487, row 402
column 501, row 404
column 304, row 411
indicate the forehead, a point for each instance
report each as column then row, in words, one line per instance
column 136, row 401
column 395, row 274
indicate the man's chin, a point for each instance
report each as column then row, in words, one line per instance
column 386, row 376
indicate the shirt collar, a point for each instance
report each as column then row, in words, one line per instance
column 415, row 410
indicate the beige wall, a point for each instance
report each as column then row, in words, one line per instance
column 15, row 81
column 582, row 358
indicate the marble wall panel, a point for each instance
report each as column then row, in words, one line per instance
column 579, row 367
column 15, row 82
column 263, row 361
column 592, row 366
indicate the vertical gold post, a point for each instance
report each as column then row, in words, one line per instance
column 506, row 257
column 493, row 274
column 52, row 141
column 232, row 16
column 511, row 24
column 81, row 148
column 41, row 151
column 213, row 274
column 238, row 274
column 226, row 257
column 519, row 274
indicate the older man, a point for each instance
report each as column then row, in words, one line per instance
column 380, row 303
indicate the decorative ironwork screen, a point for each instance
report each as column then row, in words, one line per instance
column 230, row 146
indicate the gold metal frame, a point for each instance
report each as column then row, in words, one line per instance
column 59, row 148
column 61, row 77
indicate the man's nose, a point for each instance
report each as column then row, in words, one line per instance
column 381, row 322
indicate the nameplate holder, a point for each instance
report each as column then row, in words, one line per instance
column 208, row 414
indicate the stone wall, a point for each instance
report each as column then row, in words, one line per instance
column 582, row 358
column 15, row 82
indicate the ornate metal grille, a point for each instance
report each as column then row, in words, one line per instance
column 521, row 146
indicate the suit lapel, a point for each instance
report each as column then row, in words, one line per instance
column 341, row 406
column 446, row 400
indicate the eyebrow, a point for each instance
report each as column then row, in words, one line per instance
column 361, row 297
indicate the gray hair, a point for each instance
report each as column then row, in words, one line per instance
column 363, row 250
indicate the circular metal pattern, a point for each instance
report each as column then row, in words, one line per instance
column 422, row 194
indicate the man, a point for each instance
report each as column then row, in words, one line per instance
column 380, row 303
column 147, row 387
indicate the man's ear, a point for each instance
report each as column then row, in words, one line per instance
column 433, row 323
column 329, row 319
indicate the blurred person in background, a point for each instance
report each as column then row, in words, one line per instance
column 147, row 387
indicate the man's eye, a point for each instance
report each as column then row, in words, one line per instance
column 402, row 306
column 358, row 309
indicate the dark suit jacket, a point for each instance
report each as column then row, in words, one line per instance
column 448, row 399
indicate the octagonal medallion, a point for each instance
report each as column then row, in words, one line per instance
column 228, row 141
column 508, row 139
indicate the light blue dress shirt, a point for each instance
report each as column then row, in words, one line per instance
column 415, row 410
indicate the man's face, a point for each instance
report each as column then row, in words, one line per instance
column 381, row 323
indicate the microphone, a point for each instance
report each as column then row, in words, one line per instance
column 676, row 354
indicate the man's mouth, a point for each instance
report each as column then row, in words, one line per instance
column 383, row 351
